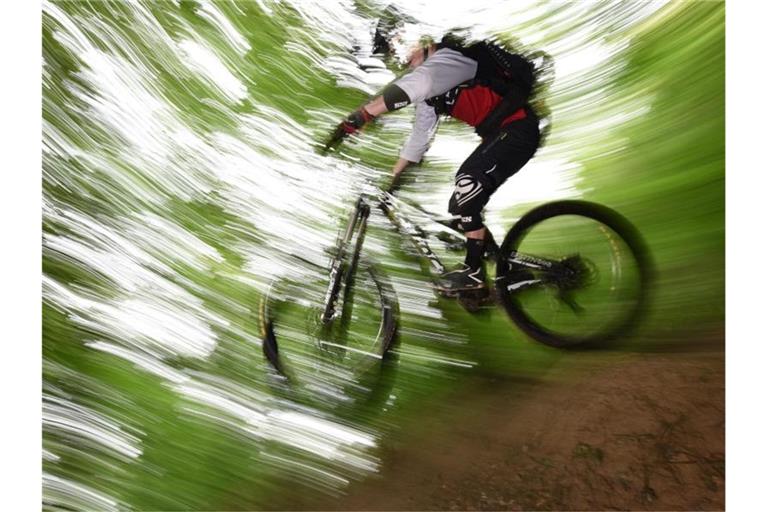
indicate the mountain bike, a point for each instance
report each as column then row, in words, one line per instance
column 568, row 273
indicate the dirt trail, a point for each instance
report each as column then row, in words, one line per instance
column 642, row 431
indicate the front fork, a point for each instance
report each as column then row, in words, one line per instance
column 358, row 221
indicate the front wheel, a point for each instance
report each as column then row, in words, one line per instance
column 573, row 273
column 336, row 361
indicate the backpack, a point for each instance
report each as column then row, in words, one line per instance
column 496, row 66
column 512, row 76
column 501, row 69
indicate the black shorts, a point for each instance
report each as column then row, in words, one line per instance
column 491, row 164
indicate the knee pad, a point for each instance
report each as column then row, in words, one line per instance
column 467, row 201
column 470, row 222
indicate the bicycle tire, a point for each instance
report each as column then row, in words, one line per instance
column 351, row 370
column 619, row 232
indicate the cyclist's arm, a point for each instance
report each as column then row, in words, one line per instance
column 376, row 107
column 425, row 124
column 397, row 170
column 400, row 166
column 441, row 72
column 424, row 128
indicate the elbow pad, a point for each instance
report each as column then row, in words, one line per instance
column 395, row 97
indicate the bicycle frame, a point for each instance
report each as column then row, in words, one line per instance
column 410, row 230
column 418, row 238
column 356, row 228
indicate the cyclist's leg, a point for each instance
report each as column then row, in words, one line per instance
column 488, row 167
column 481, row 174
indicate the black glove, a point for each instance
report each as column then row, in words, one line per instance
column 352, row 124
column 394, row 185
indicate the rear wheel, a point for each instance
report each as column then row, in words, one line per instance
column 336, row 361
column 573, row 273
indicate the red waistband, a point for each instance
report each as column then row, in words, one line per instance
column 519, row 114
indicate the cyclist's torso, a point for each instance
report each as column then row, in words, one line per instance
column 471, row 104
column 457, row 82
column 473, row 100
column 450, row 82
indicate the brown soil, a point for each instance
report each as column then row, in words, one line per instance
column 642, row 431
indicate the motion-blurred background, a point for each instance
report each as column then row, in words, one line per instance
column 180, row 166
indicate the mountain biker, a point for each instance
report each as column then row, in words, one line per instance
column 464, row 82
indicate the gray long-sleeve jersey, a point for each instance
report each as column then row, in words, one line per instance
column 441, row 72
